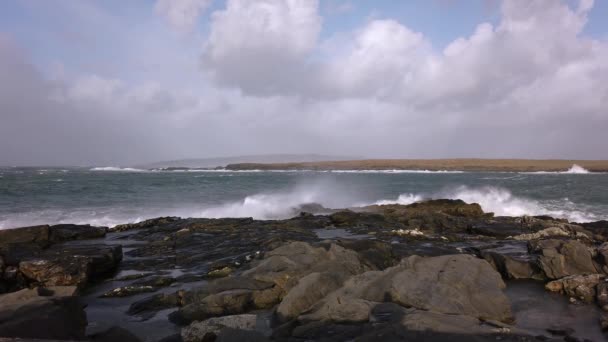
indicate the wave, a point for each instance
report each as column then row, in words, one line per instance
column 502, row 202
column 118, row 169
column 574, row 170
column 393, row 171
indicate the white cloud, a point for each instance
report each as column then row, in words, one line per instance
column 182, row 15
column 261, row 46
column 530, row 85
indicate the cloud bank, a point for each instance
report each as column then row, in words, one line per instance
column 530, row 85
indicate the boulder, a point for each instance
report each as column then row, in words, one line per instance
column 75, row 265
column 450, row 284
column 581, row 287
column 67, row 232
column 43, row 314
column 512, row 267
column 309, row 290
column 562, row 258
column 209, row 329
column 34, row 234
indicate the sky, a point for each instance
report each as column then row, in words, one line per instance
column 115, row 82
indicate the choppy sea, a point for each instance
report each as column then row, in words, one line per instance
column 108, row 196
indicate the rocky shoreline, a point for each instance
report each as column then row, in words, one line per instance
column 438, row 270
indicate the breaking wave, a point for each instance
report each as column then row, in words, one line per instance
column 574, row 170
column 118, row 169
column 502, row 202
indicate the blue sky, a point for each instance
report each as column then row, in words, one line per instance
column 85, row 35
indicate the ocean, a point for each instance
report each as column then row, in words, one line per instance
column 107, row 196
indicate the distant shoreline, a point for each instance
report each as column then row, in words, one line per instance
column 490, row 165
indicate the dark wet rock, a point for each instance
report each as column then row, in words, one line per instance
column 513, row 267
column 237, row 335
column 71, row 265
column 42, row 313
column 131, row 290
column 68, row 232
column 144, row 224
column 602, row 294
column 155, row 281
column 34, row 234
column 449, row 207
column 154, row 303
column 114, row 334
column 499, row 227
column 599, row 228
column 375, row 254
column 562, row 258
column 580, row 287
column 209, row 329
column 453, row 284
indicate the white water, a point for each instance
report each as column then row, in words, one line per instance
column 118, row 169
column 574, row 170
column 502, row 202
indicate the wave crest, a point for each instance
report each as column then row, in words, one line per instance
column 117, row 169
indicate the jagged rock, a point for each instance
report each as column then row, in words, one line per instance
column 581, row 287
column 42, row 313
column 562, row 258
column 209, row 329
column 67, row 232
column 71, row 266
column 451, row 284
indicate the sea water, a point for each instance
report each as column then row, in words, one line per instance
column 108, row 196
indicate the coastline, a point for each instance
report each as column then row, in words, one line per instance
column 439, row 269
column 479, row 165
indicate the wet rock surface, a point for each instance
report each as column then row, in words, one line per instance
column 438, row 270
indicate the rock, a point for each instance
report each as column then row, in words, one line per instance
column 67, row 232
column 114, row 334
column 220, row 272
column 144, row 224
column 602, row 252
column 547, row 232
column 208, row 329
column 71, row 266
column 451, row 284
column 562, row 258
column 42, row 314
column 220, row 304
column 512, row 267
column 34, row 234
column 127, row 291
column 309, row 290
column 602, row 294
column 154, row 303
column 498, row 227
column 581, row 287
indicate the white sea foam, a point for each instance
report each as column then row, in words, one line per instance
column 502, row 202
column 118, row 169
column 574, row 170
